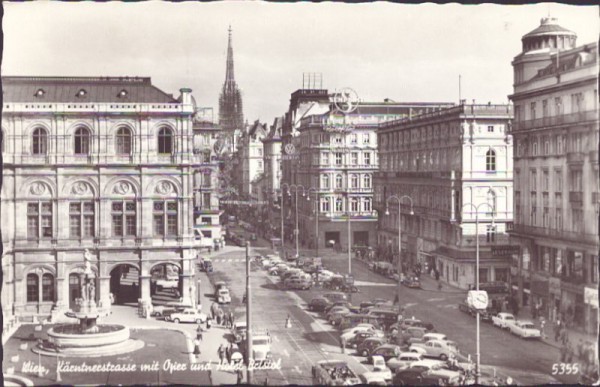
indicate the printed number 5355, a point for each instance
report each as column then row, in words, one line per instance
column 565, row 369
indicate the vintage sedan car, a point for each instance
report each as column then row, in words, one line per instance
column 412, row 322
column 380, row 367
column 298, row 283
column 412, row 282
column 336, row 309
column 369, row 345
column 387, row 351
column 223, row 296
column 318, row 304
column 188, row 315
column 403, row 360
column 349, row 333
column 503, row 320
column 525, row 330
column 169, row 308
column 436, row 348
column 361, row 326
column 357, row 339
column 372, row 378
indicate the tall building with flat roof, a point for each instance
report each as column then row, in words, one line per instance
column 448, row 162
column 556, row 176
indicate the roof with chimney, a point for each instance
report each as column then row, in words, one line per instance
column 83, row 89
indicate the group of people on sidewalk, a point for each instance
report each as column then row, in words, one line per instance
column 225, row 318
column 583, row 353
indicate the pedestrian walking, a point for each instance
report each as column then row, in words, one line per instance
column 231, row 318
column 343, row 344
column 557, row 330
column 221, row 352
column 208, row 322
column 219, row 317
column 213, row 310
column 199, row 333
column 542, row 325
column 225, row 321
column 196, row 348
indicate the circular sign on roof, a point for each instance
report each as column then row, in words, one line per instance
column 289, row 149
column 346, row 100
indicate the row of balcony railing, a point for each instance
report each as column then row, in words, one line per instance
column 563, row 119
column 116, row 241
column 553, row 233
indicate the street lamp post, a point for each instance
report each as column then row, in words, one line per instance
column 281, row 206
column 296, row 231
column 399, row 264
column 478, row 318
column 316, row 218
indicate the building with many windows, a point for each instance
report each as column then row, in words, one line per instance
column 251, row 157
column 556, row 175
column 93, row 163
column 209, row 143
column 336, row 156
column 448, row 162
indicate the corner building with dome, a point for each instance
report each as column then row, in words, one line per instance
column 102, row 164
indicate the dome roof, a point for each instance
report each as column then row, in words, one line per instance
column 549, row 26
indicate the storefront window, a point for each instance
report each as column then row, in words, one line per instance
column 501, row 275
column 546, row 259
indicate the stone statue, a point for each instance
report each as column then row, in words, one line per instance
column 91, row 292
column 88, row 262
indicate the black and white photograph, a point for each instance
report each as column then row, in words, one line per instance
column 300, row 193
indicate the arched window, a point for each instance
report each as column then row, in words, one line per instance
column 338, row 205
column 47, row 287
column 123, row 143
column 355, row 205
column 338, row 181
column 40, row 142
column 82, row 141
column 490, row 160
column 354, row 180
column 367, row 181
column 165, row 141
column 33, row 283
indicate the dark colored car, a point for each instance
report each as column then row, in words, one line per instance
column 416, row 323
column 368, row 345
column 414, row 377
column 358, row 339
column 387, row 351
column 412, row 282
column 319, row 304
column 351, row 308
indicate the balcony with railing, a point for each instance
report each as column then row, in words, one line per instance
column 563, row 119
column 576, row 197
column 575, row 157
column 534, row 231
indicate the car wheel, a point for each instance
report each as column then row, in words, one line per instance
column 176, row 321
column 365, row 353
column 199, row 321
column 443, row 357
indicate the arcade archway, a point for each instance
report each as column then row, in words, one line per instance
column 125, row 284
column 165, row 283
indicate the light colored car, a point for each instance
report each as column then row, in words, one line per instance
column 223, row 296
column 404, row 360
column 524, row 329
column 503, row 320
column 372, row 379
column 360, row 326
column 298, row 283
column 436, row 348
column 351, row 332
column 428, row 364
column 188, row 315
column 169, row 308
column 239, row 331
column 434, row 336
column 380, row 367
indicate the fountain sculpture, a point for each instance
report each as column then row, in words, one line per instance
column 87, row 338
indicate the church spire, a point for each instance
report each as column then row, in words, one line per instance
column 230, row 101
column 229, row 75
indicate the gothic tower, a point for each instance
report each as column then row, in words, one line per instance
column 230, row 101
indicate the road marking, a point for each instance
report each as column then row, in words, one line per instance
column 275, row 338
column 366, row 283
column 297, row 369
column 286, row 353
column 435, row 299
column 410, row 304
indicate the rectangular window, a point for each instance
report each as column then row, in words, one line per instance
column 366, row 138
column 546, row 218
column 325, row 158
column 124, row 215
column 491, row 234
column 39, row 220
column 367, row 158
column 559, row 225
column 367, row 205
column 490, row 128
column 532, row 111
column 337, row 140
column 577, row 217
column 558, row 180
column 81, row 219
column 353, row 138
column 354, row 158
column 545, row 180
column 545, row 108
column 576, row 180
column 206, row 180
column 533, row 179
column 594, row 268
column 338, row 158
column 355, row 205
column 165, row 218
column 558, row 110
column 47, row 287
column 32, row 288
column 206, row 200
column 324, row 204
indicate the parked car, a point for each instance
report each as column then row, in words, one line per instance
column 524, row 329
column 345, row 304
column 335, row 296
column 412, row 322
column 169, row 308
column 223, row 296
column 403, row 360
column 318, row 304
column 436, row 348
column 188, row 315
column 347, row 334
column 369, row 345
column 298, row 283
column 372, row 378
column 387, row 351
column 355, row 340
column 412, row 282
column 380, row 367
column 503, row 320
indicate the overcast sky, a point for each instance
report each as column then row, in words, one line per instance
column 382, row 50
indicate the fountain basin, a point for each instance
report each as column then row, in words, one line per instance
column 67, row 336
